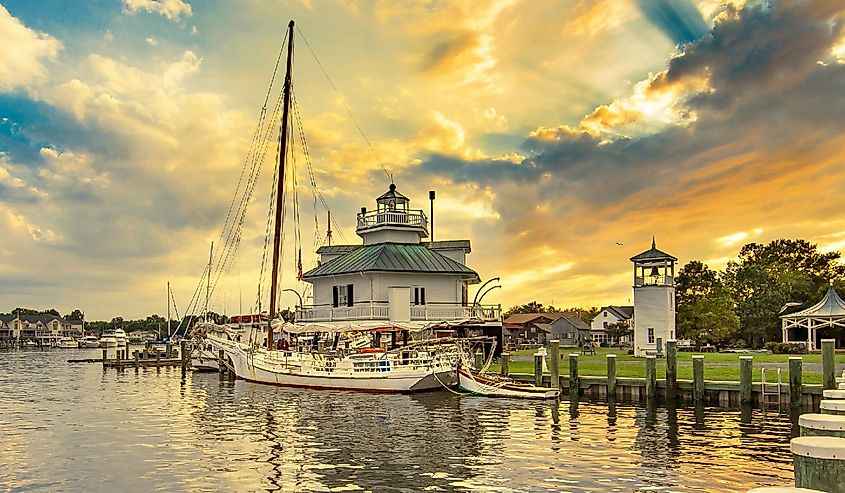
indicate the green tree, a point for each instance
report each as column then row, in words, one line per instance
column 766, row 277
column 618, row 330
column 75, row 315
column 705, row 309
column 531, row 307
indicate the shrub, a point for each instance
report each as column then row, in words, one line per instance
column 786, row 347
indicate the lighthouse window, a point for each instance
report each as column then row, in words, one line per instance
column 651, row 335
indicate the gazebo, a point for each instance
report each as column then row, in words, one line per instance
column 826, row 316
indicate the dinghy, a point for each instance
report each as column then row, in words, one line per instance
column 494, row 386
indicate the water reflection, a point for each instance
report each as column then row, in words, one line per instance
column 75, row 427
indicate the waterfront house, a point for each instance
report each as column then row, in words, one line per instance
column 46, row 330
column 531, row 329
column 607, row 316
column 395, row 276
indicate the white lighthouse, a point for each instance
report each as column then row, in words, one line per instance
column 654, row 300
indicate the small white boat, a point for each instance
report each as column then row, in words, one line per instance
column 493, row 386
column 108, row 340
column 203, row 357
column 89, row 342
column 29, row 343
column 67, row 343
column 120, row 337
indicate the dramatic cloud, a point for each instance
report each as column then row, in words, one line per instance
column 679, row 19
column 23, row 52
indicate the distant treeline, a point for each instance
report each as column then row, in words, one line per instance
column 152, row 323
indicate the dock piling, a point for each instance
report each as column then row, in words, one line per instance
column 183, row 352
column 221, row 366
column 479, row 359
column 829, row 363
column 158, row 358
column 698, row 377
column 105, row 356
column 504, row 364
column 137, row 355
column 671, row 369
column 611, row 375
column 573, row 376
column 650, row 378
column 554, row 366
column 118, row 359
column 745, row 371
column 538, row 370
column 795, row 387
column 168, row 351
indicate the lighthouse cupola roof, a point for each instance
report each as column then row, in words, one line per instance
column 392, row 200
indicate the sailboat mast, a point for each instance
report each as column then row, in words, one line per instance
column 168, row 311
column 208, row 280
column 280, row 190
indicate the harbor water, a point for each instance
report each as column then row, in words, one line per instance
column 76, row 427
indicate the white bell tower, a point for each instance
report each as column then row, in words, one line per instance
column 654, row 300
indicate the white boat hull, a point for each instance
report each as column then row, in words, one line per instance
column 293, row 370
column 68, row 345
column 203, row 360
column 481, row 386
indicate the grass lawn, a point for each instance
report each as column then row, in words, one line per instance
column 726, row 367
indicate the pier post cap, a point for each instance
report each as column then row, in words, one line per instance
column 746, row 357
column 650, row 356
column 826, row 422
column 671, row 340
column 573, row 354
column 831, row 448
column 799, row 358
column 554, row 341
column 832, row 405
column 505, row 353
column 698, row 356
column 611, row 355
column 829, row 341
column 833, row 394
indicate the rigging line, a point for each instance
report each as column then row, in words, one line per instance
column 304, row 144
column 233, row 242
column 343, row 101
column 311, row 174
column 259, row 126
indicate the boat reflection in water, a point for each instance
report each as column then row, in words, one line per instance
column 304, row 441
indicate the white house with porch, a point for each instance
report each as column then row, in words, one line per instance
column 821, row 321
column 394, row 276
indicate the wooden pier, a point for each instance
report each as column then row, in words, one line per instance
column 141, row 359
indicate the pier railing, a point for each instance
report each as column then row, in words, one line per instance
column 380, row 310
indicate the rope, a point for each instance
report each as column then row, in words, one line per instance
column 343, row 101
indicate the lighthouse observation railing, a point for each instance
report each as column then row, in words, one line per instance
column 654, row 281
column 410, row 217
column 380, row 310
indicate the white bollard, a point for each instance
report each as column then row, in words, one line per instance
column 819, row 463
column 828, row 425
column 833, row 406
column 833, row 394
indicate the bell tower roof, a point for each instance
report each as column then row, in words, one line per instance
column 652, row 254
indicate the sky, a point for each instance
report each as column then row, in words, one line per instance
column 560, row 136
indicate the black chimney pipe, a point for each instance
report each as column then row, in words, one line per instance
column 431, row 198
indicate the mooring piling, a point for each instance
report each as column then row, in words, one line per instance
column 573, row 375
column 183, row 353
column 745, row 372
column 538, row 370
column 554, row 366
column 504, row 364
column 795, row 388
column 829, row 363
column 671, row 369
column 611, row 375
column 650, row 377
column 698, row 377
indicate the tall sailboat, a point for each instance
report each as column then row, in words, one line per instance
column 332, row 357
